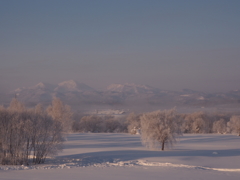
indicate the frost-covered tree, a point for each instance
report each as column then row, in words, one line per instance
column 47, row 139
column 39, row 109
column 16, row 105
column 198, row 126
column 91, row 124
column 61, row 113
column 159, row 128
column 134, row 123
column 111, row 125
column 220, row 126
column 27, row 135
column 97, row 124
column 196, row 122
column 234, row 125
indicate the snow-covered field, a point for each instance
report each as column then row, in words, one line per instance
column 109, row 156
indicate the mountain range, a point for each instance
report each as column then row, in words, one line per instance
column 118, row 95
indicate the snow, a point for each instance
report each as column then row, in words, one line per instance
column 18, row 90
column 72, row 86
column 131, row 88
column 122, row 156
column 40, row 85
column 201, row 98
column 185, row 95
column 68, row 84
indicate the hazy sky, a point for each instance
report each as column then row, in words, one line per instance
column 169, row 44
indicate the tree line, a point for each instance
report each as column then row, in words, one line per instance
column 162, row 127
column 100, row 124
column 196, row 122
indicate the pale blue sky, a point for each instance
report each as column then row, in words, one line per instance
column 171, row 44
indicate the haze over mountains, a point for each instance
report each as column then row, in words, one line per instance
column 130, row 96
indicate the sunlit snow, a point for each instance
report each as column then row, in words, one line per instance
column 207, row 155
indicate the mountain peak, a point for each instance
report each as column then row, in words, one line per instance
column 43, row 86
column 113, row 87
column 71, row 84
column 40, row 85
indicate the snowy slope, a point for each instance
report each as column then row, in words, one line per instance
column 41, row 92
column 121, row 156
column 72, row 86
column 73, row 93
column 132, row 88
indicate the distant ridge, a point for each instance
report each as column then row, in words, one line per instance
column 119, row 95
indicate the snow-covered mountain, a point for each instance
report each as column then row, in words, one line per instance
column 132, row 89
column 76, row 93
column 72, row 86
column 80, row 94
column 41, row 92
column 69, row 91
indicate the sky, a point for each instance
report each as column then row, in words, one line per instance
column 171, row 45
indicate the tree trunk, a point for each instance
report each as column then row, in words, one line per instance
column 163, row 146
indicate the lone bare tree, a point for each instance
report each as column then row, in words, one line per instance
column 159, row 128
